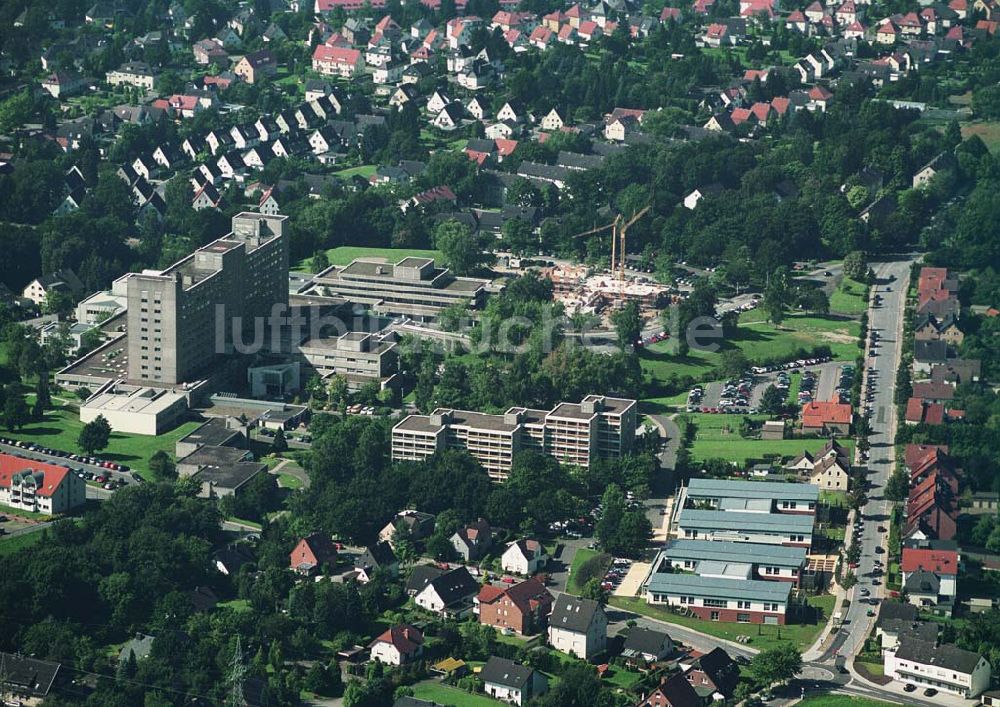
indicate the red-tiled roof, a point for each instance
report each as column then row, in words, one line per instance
column 939, row 561
column 819, row 412
column 336, row 55
column 53, row 474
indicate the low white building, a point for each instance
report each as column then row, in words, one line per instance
column 524, row 557
column 507, row 681
column 946, row 668
column 578, row 627
column 101, row 306
column 141, row 411
column 450, row 594
column 399, row 645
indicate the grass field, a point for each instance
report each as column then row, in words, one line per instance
column 718, row 437
column 9, row 546
column 759, row 340
column 61, row 427
column 762, row 637
column 365, row 170
column 450, row 696
column 988, row 132
column 345, row 254
column 849, row 298
column 843, row 701
column 287, row 481
column 625, row 679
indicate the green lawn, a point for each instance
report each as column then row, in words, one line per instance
column 843, row 701
column 9, row 546
column 761, row 341
column 345, row 254
column 9, row 511
column 450, row 696
column 365, row 170
column 625, row 679
column 236, row 604
column 988, row 132
column 61, row 427
column 718, row 437
column 762, row 637
column 849, row 297
column 287, row 481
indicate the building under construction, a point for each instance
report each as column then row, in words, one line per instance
column 579, row 289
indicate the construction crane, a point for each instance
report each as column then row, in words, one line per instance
column 618, row 230
column 621, row 234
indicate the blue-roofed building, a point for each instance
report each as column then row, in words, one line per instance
column 778, row 563
column 753, row 496
column 788, row 529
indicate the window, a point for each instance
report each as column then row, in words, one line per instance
column 719, row 603
column 743, row 618
column 715, row 616
column 742, row 605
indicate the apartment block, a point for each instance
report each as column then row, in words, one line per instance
column 39, row 487
column 358, row 356
column 776, row 563
column 180, row 319
column 573, row 433
column 724, row 593
column 413, row 287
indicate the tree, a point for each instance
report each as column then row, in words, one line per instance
column 775, row 665
column 593, row 590
column 42, row 398
column 16, row 413
column 772, row 401
column 815, row 300
column 278, row 444
column 732, row 363
column 58, row 301
column 856, row 265
column 162, row 466
column 463, row 252
column 94, row 436
column 628, row 324
column 897, row 487
column 776, row 296
column 320, row 261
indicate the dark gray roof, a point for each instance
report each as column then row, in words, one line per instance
column 934, row 351
column 922, row 582
column 455, row 585
column 891, row 611
column 721, row 670
column 214, row 433
column 421, row 576
column 646, row 640
column 502, row 671
column 574, row 614
column 28, row 675
column 140, row 647
column 378, row 555
column 948, row 656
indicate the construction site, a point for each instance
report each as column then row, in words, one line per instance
column 582, row 289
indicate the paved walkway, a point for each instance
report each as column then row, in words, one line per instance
column 632, row 582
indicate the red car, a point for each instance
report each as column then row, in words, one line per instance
column 508, row 580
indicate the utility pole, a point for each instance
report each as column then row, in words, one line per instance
column 236, row 673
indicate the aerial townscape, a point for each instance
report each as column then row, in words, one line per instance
column 462, row 353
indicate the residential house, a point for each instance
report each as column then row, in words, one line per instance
column 646, row 646
column 64, row 280
column 255, row 66
column 206, row 197
column 674, row 691
column 946, row 668
column 210, row 51
column 925, row 174
column 450, row 117
column 578, row 627
column 377, row 557
column 827, row 417
column 715, row 673
column 507, row 681
column 399, row 645
column 524, row 557
column 27, row 681
column 133, row 73
column 930, row 578
column 61, row 84
column 449, row 594
column 416, row 524
column 552, row 121
column 927, row 354
column 39, row 487
column 337, row 61
column 523, row 607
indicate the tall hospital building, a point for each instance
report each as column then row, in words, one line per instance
column 172, row 314
column 573, row 433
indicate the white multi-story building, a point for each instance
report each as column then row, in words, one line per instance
column 946, row 667
column 578, row 627
column 37, row 487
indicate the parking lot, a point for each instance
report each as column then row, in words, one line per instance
column 817, row 379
